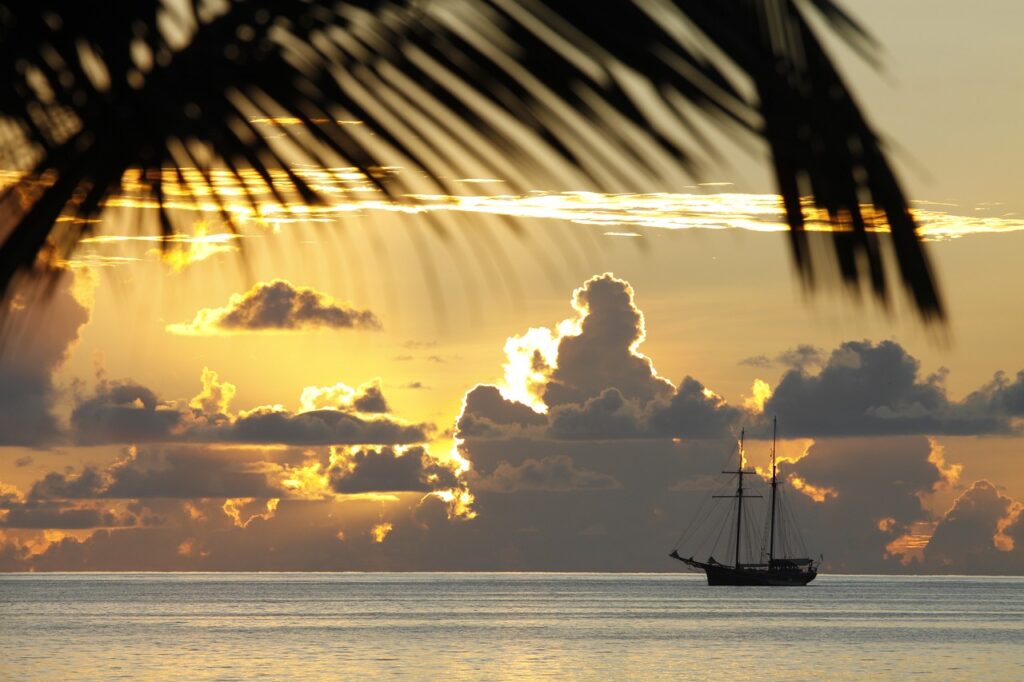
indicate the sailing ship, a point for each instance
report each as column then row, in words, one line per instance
column 770, row 567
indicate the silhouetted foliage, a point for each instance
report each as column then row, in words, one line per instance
column 574, row 90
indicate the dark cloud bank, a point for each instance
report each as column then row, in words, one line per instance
column 37, row 339
column 605, row 479
column 126, row 412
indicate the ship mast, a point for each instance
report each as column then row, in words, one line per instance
column 775, row 483
column 739, row 498
column 739, row 501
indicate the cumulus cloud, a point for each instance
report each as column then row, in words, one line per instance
column 981, row 532
column 583, row 457
column 1002, row 396
column 876, row 389
column 19, row 511
column 275, row 425
column 277, row 305
column 368, row 398
column 608, row 415
column 37, row 339
column 604, row 353
column 694, row 411
column 389, row 469
column 543, row 505
column 215, row 398
column 588, row 379
column 123, row 412
column 854, row 496
column 486, row 413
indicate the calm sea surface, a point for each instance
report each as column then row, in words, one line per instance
column 506, row 626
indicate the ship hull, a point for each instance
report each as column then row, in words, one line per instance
column 726, row 575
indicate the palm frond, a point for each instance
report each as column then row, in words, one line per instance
column 569, row 92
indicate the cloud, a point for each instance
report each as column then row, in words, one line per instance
column 55, row 516
column 37, row 339
column 583, row 457
column 215, row 398
column 608, row 415
column 368, row 398
column 981, row 532
column 557, row 473
column 389, row 469
column 853, row 496
column 30, row 512
column 277, row 305
column 803, row 356
column 694, row 411
column 698, row 208
column 1001, row 396
column 875, row 389
column 486, row 412
column 236, row 507
column 179, row 472
column 275, row 425
column 603, row 354
column 588, row 379
column 123, row 412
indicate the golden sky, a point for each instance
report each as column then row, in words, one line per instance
column 360, row 385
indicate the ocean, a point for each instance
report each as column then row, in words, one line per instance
column 472, row 626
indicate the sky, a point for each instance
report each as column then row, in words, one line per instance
column 362, row 388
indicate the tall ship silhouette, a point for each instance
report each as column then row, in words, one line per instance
column 777, row 558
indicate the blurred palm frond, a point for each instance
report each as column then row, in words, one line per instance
column 604, row 94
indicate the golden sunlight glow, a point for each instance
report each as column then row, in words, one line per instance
column 380, row 532
column 459, row 501
column 326, row 397
column 531, row 358
column 802, row 449
column 83, row 287
column 910, row 546
column 711, row 395
column 1002, row 541
column 292, row 121
column 789, row 450
column 215, row 398
column 462, row 464
column 306, row 482
column 193, row 512
column 338, row 396
column 191, row 547
column 220, row 190
column 949, row 473
column 178, row 251
column 761, row 391
column 816, row 493
column 10, row 492
column 35, row 542
column 233, row 507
